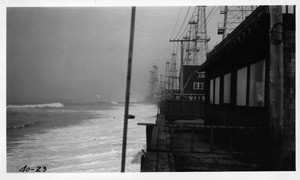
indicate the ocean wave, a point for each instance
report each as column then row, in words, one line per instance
column 136, row 159
column 112, row 152
column 113, row 102
column 109, row 153
column 21, row 126
column 26, row 106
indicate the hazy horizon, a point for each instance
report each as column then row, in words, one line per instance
column 74, row 53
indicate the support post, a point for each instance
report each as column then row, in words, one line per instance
column 181, row 68
column 192, row 140
column 276, row 77
column 230, row 140
column 128, row 89
column 171, row 139
column 157, row 147
column 181, row 62
column 211, row 139
column 149, row 130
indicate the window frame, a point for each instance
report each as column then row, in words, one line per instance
column 264, row 83
column 211, row 91
column 198, row 85
column 217, row 101
column 201, row 75
column 229, row 88
column 244, row 99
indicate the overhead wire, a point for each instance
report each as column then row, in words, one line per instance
column 183, row 22
column 188, row 23
column 205, row 20
column 213, row 10
column 174, row 30
column 210, row 13
column 213, row 14
column 176, row 22
column 179, row 29
column 201, row 24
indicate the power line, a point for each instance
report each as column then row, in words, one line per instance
column 188, row 23
column 210, row 13
column 213, row 14
column 176, row 22
column 183, row 22
column 208, row 16
column 204, row 20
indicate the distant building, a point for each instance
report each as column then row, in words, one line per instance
column 193, row 82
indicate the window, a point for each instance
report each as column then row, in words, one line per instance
column 241, row 87
column 227, row 83
column 201, row 75
column 198, row 85
column 257, row 84
column 211, row 91
column 217, row 90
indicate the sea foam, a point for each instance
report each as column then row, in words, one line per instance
column 113, row 102
column 26, row 106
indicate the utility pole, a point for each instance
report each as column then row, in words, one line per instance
column 181, row 68
column 197, row 38
column 150, row 84
column 187, row 37
column 167, row 76
column 155, row 79
column 128, row 80
column 181, row 60
column 173, row 71
column 161, row 83
column 276, row 89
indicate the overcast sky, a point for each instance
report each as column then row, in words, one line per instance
column 56, row 54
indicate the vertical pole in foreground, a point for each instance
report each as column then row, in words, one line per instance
column 128, row 89
column 276, row 79
column 181, row 66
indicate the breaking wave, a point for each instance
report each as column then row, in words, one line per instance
column 113, row 102
column 21, row 126
column 26, row 106
column 137, row 157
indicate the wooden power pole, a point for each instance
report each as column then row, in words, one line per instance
column 276, row 77
column 131, row 38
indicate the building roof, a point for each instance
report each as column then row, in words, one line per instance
column 249, row 26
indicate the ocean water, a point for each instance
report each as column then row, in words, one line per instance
column 82, row 137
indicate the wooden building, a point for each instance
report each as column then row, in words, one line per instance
column 250, row 79
column 190, row 103
column 193, row 82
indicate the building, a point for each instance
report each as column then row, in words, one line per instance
column 193, row 82
column 250, row 79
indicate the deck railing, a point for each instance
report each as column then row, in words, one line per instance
column 153, row 146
